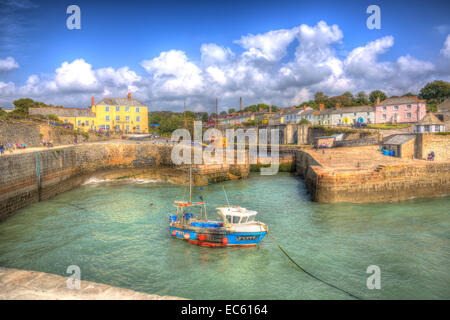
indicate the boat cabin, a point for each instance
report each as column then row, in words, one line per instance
column 237, row 215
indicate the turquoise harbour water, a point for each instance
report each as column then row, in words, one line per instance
column 112, row 233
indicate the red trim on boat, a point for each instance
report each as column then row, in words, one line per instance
column 212, row 244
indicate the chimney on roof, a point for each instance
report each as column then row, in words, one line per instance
column 378, row 100
column 129, row 95
column 321, row 106
column 92, row 101
column 240, row 103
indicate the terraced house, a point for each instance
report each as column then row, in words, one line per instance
column 400, row 110
column 110, row 114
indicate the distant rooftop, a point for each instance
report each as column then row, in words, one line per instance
column 399, row 139
column 429, row 119
column 399, row 100
column 62, row 112
column 121, row 102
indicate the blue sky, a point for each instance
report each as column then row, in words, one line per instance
column 118, row 47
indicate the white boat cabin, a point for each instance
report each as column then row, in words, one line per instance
column 237, row 215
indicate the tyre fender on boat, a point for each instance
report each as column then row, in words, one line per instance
column 225, row 240
column 201, row 237
column 187, row 236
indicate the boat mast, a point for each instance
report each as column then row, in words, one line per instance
column 190, row 183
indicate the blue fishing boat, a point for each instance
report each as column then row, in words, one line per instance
column 234, row 226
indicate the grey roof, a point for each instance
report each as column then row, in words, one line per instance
column 62, row 112
column 353, row 109
column 308, row 112
column 429, row 119
column 399, row 139
column 399, row 100
column 121, row 102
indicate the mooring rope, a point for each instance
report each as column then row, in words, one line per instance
column 306, row 271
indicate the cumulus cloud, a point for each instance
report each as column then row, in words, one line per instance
column 445, row 51
column 8, row 64
column 264, row 72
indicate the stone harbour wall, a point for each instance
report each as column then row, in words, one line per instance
column 29, row 177
column 389, row 183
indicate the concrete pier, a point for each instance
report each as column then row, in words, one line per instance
column 32, row 285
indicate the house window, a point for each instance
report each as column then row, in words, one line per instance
column 102, row 127
column 437, row 128
column 79, row 123
column 66, row 121
column 427, row 128
column 107, row 109
column 127, row 118
column 117, row 109
column 107, row 118
column 127, row 109
column 138, row 119
column 87, row 123
column 107, row 127
column 118, row 127
column 383, row 108
column 117, row 118
column 408, row 107
column 128, row 128
column 384, row 117
column 137, row 110
column 395, row 108
column 138, row 127
column 408, row 115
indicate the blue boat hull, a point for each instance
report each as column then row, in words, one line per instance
column 216, row 237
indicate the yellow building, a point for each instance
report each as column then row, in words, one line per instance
column 110, row 114
column 121, row 114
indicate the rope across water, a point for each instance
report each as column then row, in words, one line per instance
column 306, row 271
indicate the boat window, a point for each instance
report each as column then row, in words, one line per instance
column 236, row 219
column 229, row 219
column 244, row 219
column 251, row 218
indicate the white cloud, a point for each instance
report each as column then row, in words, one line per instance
column 8, row 64
column 270, row 46
column 446, row 48
column 263, row 73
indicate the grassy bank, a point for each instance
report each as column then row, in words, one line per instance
column 388, row 126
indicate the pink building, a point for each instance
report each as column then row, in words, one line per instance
column 400, row 110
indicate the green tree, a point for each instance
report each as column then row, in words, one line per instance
column 435, row 92
column 375, row 94
column 319, row 97
column 349, row 95
column 304, row 121
column 231, row 110
column 362, row 99
column 205, row 116
column 22, row 105
column 168, row 125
